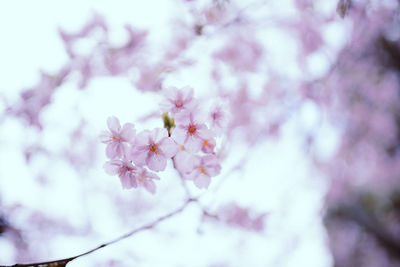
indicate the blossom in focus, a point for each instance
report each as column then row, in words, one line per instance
column 153, row 148
column 145, row 179
column 125, row 170
column 117, row 138
column 203, row 169
column 190, row 132
column 177, row 100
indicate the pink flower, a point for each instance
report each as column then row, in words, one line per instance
column 218, row 119
column 208, row 142
column 153, row 148
column 190, row 133
column 204, row 168
column 145, row 179
column 125, row 170
column 242, row 217
column 178, row 100
column 241, row 53
column 150, row 78
column 130, row 175
column 117, row 139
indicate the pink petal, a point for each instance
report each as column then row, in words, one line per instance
column 202, row 181
column 105, row 137
column 210, row 160
column 128, row 181
column 213, row 170
column 128, row 132
column 113, row 124
column 179, row 135
column 158, row 134
column 150, row 186
column 193, row 144
column 203, row 131
column 185, row 161
column 151, row 175
column 113, row 150
column 142, row 139
column 187, row 93
column 112, row 167
column 156, row 162
column 168, row 147
column 139, row 157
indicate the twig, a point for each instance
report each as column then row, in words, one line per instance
column 64, row 262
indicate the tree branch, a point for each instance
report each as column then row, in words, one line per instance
column 64, row 262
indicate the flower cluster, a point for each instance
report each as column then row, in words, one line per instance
column 185, row 138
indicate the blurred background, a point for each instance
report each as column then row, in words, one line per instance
column 309, row 152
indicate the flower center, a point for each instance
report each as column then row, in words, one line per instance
column 153, row 148
column 124, row 169
column 192, row 129
column 203, row 170
column 205, row 143
column 178, row 103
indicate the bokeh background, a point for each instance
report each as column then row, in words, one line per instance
column 310, row 152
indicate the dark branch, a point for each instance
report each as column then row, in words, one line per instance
column 368, row 221
column 64, row 262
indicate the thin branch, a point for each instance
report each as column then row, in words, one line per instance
column 64, row 262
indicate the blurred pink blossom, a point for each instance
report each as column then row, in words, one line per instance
column 241, row 53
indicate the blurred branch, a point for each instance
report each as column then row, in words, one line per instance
column 370, row 223
column 64, row 262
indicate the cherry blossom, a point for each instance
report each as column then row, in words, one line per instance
column 218, row 119
column 203, row 169
column 241, row 53
column 190, row 133
column 178, row 100
column 208, row 142
column 145, row 179
column 153, row 148
column 125, row 170
column 117, row 138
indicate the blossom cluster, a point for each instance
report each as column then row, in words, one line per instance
column 186, row 139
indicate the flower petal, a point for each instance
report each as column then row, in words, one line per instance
column 150, row 186
column 158, row 134
column 128, row 181
column 179, row 135
column 193, row 144
column 105, row 137
column 202, row 181
column 168, row 147
column 156, row 162
column 139, row 157
column 185, row 162
column 112, row 167
column 142, row 139
column 113, row 124
column 113, row 150
column 128, row 132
